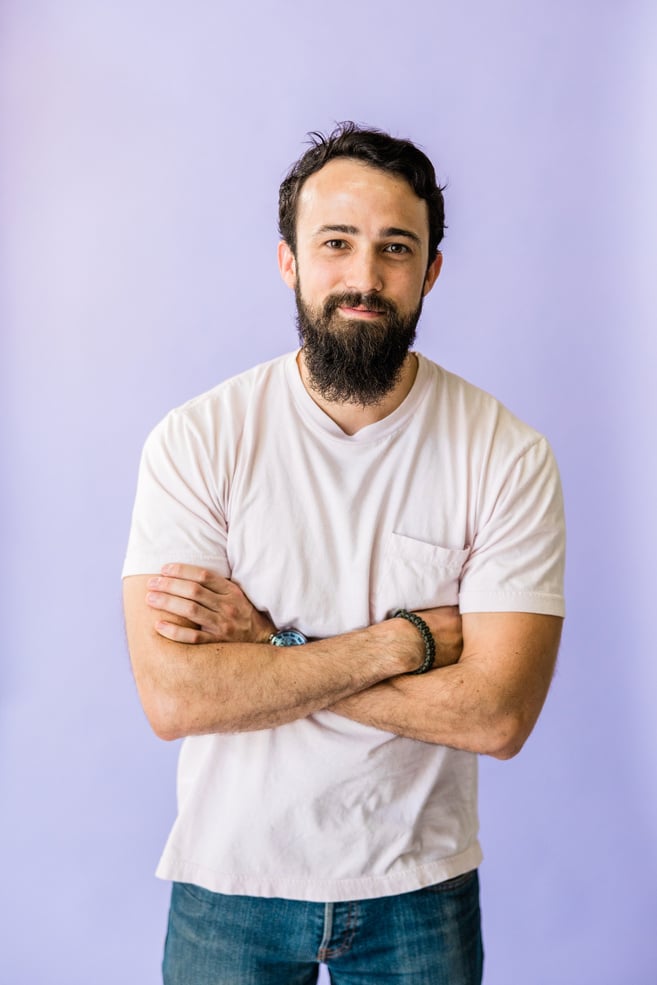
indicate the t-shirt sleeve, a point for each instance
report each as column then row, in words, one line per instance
column 178, row 514
column 516, row 563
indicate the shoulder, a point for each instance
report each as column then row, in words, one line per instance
column 217, row 415
column 236, row 392
column 475, row 416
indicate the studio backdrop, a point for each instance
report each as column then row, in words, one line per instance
column 142, row 148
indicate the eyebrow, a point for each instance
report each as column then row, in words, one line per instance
column 383, row 233
column 394, row 231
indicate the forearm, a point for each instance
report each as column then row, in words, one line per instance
column 492, row 674
column 486, row 703
column 198, row 671
column 231, row 687
column 444, row 707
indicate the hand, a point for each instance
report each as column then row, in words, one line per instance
column 206, row 608
column 445, row 625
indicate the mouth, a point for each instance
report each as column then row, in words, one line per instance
column 360, row 312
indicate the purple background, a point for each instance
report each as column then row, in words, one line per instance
column 143, row 144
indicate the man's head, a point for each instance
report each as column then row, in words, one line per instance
column 378, row 150
column 359, row 249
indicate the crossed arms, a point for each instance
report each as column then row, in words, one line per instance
column 202, row 664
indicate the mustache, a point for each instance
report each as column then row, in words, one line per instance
column 354, row 299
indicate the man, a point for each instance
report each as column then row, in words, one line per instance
column 327, row 782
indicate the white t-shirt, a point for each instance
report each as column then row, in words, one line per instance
column 450, row 499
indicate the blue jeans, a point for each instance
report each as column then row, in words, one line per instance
column 428, row 937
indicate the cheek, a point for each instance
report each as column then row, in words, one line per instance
column 321, row 282
column 408, row 290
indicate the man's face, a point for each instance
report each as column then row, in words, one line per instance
column 359, row 274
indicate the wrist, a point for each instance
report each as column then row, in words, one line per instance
column 263, row 628
column 404, row 645
column 427, row 638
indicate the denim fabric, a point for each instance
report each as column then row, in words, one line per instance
column 428, row 937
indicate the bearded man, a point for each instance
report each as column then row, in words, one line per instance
column 343, row 584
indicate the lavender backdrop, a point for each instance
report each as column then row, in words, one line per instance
column 143, row 144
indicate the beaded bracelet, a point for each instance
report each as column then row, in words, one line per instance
column 429, row 643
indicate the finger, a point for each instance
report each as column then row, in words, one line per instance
column 174, row 604
column 186, row 589
column 184, row 634
column 193, row 572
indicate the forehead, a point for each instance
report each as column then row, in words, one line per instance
column 350, row 192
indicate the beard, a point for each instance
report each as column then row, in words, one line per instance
column 352, row 361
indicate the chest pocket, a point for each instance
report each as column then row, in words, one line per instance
column 418, row 575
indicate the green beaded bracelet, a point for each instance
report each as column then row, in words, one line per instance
column 429, row 643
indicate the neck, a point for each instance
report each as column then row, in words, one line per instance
column 352, row 417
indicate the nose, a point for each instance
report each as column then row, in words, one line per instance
column 364, row 272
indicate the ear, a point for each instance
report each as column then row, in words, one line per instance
column 287, row 264
column 432, row 274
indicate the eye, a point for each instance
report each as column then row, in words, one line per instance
column 398, row 249
column 335, row 244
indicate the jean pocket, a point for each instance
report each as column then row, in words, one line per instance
column 198, row 893
column 458, row 882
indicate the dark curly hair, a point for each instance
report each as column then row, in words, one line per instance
column 373, row 147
